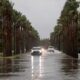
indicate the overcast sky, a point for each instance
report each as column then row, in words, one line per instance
column 43, row 14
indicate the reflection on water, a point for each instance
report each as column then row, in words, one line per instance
column 69, row 64
column 32, row 61
column 70, row 68
column 9, row 66
column 36, row 64
column 50, row 66
column 55, row 67
column 5, row 65
column 40, row 67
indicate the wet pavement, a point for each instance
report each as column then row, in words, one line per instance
column 48, row 66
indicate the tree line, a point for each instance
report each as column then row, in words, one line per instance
column 66, row 34
column 16, row 32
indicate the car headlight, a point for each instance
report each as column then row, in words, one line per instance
column 31, row 51
column 40, row 51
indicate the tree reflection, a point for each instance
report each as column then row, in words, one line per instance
column 9, row 66
column 69, row 65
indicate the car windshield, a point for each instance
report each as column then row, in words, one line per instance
column 50, row 46
column 36, row 48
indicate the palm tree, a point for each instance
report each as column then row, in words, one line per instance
column 7, row 27
column 25, row 35
column 68, row 28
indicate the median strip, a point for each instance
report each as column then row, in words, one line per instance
column 9, row 57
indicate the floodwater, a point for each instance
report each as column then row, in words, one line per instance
column 48, row 66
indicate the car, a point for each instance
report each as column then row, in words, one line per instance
column 36, row 51
column 50, row 49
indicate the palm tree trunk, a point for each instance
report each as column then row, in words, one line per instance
column 7, row 31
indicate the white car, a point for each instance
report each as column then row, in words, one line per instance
column 50, row 49
column 36, row 51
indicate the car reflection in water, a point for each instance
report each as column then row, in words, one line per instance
column 36, row 63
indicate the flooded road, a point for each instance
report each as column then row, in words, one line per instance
column 48, row 66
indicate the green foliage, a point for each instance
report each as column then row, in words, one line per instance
column 61, row 37
column 23, row 33
column 27, row 35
